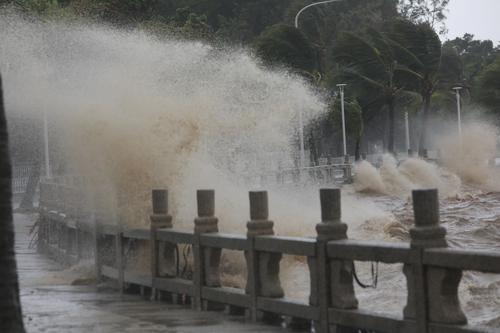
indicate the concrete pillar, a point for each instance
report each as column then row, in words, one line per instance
column 331, row 280
column 268, row 281
column 206, row 222
column 435, row 288
column 332, row 228
column 162, row 254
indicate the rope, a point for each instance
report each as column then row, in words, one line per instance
column 374, row 271
column 185, row 253
column 177, row 260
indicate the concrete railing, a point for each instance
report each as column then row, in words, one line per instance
column 433, row 270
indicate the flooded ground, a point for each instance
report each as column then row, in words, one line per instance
column 52, row 302
column 472, row 220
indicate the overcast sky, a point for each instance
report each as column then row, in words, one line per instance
column 478, row 17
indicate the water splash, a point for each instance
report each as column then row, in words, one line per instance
column 398, row 180
column 469, row 155
column 131, row 112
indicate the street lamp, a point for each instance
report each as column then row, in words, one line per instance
column 457, row 91
column 407, row 132
column 309, row 6
column 301, row 120
column 46, row 144
column 341, row 87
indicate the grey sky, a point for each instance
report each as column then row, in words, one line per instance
column 478, row 17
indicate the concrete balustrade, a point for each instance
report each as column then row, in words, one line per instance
column 432, row 269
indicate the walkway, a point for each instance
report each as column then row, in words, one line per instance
column 51, row 303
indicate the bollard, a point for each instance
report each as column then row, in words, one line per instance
column 432, row 291
column 263, row 268
column 206, row 260
column 331, row 280
column 410, row 153
column 162, row 254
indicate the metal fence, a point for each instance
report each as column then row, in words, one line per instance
column 69, row 231
column 20, row 177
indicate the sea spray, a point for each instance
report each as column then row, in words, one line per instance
column 129, row 112
column 398, row 179
column 469, row 155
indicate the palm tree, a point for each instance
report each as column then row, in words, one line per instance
column 372, row 61
column 11, row 319
column 419, row 47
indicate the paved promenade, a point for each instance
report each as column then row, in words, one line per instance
column 52, row 303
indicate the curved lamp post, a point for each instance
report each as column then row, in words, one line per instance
column 309, row 6
column 301, row 121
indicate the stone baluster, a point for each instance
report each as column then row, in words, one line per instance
column 331, row 280
column 206, row 222
column 269, row 284
column 162, row 254
column 206, row 260
column 263, row 268
column 432, row 291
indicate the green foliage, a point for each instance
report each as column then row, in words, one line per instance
column 451, row 71
column 38, row 6
column 474, row 54
column 418, row 47
column 487, row 89
column 431, row 12
column 283, row 44
column 353, row 118
column 371, row 63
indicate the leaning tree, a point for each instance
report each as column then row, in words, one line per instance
column 418, row 47
column 11, row 319
column 371, row 62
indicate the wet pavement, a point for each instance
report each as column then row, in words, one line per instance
column 52, row 304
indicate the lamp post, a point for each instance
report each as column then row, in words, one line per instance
column 46, row 144
column 407, row 132
column 301, row 135
column 457, row 92
column 309, row 6
column 341, row 87
column 301, row 120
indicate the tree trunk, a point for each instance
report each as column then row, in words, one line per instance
column 390, row 141
column 422, row 145
column 11, row 319
column 357, row 153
